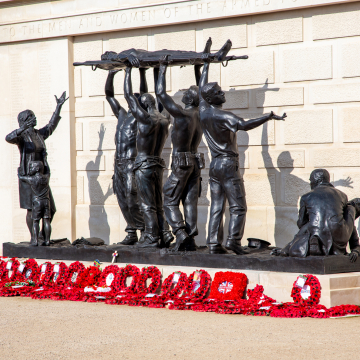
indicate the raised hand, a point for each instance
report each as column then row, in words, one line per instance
column 277, row 117
column 62, row 98
column 133, row 60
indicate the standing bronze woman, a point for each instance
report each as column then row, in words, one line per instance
column 31, row 144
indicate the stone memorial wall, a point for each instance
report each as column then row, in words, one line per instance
column 303, row 60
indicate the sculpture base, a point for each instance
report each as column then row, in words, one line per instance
column 258, row 259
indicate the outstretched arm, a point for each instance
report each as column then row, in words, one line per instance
column 253, row 123
column 138, row 112
column 110, row 93
column 160, row 89
column 48, row 129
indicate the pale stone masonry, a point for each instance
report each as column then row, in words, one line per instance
column 303, row 60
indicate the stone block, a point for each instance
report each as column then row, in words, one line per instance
column 310, row 63
column 80, row 189
column 100, row 190
column 281, row 159
column 352, row 190
column 350, row 118
column 105, row 222
column 175, row 40
column 336, row 22
column 79, row 136
column 294, row 187
column 280, row 97
column 349, row 52
column 279, row 31
column 344, row 281
column 282, row 224
column 345, row 296
column 327, row 94
column 219, row 35
column 95, row 81
column 90, row 162
column 309, row 127
column 86, row 48
column 256, row 223
column 342, row 157
column 262, row 135
column 77, row 82
column 258, row 68
column 260, row 189
column 89, row 108
column 124, row 40
column 243, row 159
column 102, row 135
column 236, row 99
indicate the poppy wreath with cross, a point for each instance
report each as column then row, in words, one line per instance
column 104, row 282
column 4, row 272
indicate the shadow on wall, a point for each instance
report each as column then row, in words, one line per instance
column 98, row 219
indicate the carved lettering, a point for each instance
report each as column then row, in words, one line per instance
column 81, row 23
column 199, row 8
column 12, row 31
column 40, row 28
column 114, row 18
column 208, row 10
column 224, row 5
column 256, row 2
column 60, row 25
column 98, row 21
column 51, row 27
column 133, row 16
column 176, row 10
column 244, row 3
column 24, row 29
column 123, row 18
column 143, row 16
column 31, row 29
column 266, row 2
column 151, row 14
column 190, row 8
column 167, row 12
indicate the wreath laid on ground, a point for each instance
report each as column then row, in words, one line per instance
column 144, row 293
column 104, row 287
column 315, row 291
column 123, row 292
column 5, row 268
column 228, row 286
column 26, row 278
column 197, row 286
column 71, row 290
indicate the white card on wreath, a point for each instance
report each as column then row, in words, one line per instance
column 8, row 265
column 43, row 268
column 176, row 278
column 109, row 279
column 21, row 268
column 300, row 282
column 150, row 295
column 305, row 292
column 56, row 268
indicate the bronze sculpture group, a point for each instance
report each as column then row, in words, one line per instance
column 326, row 218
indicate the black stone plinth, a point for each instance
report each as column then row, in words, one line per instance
column 258, row 259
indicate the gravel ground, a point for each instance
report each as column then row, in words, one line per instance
column 45, row 329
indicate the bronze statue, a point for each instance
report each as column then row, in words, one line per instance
column 41, row 207
column 111, row 60
column 184, row 181
column 31, row 144
column 220, row 129
column 326, row 222
column 124, row 184
column 151, row 136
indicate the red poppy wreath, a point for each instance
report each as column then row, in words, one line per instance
column 228, row 286
column 299, row 294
